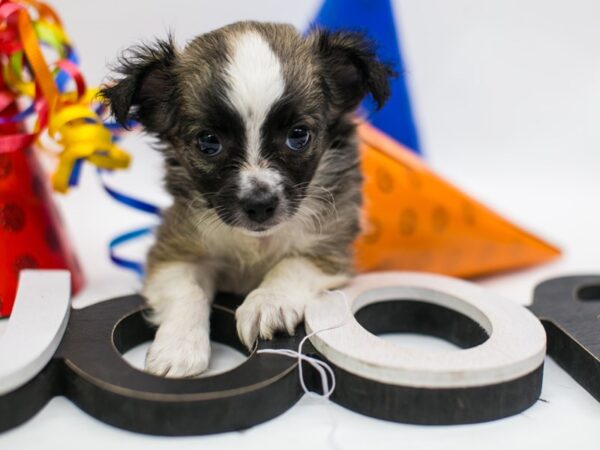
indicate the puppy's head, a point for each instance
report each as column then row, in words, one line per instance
column 246, row 112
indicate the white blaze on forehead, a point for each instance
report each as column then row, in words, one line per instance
column 255, row 76
column 255, row 83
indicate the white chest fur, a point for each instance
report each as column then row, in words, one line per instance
column 243, row 259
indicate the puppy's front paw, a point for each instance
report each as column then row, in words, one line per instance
column 266, row 311
column 178, row 353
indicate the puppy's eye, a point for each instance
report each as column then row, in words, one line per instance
column 208, row 143
column 298, row 138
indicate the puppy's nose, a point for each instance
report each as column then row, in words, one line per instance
column 260, row 209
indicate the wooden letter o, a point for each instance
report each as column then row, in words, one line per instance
column 497, row 374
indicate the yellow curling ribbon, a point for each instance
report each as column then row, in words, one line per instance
column 81, row 133
column 70, row 119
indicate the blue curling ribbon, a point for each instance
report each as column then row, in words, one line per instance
column 121, row 239
column 128, row 236
column 129, row 201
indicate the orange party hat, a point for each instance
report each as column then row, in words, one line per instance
column 414, row 220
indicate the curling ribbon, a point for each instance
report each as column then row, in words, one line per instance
column 131, row 235
column 69, row 117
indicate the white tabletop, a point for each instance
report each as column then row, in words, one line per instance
column 506, row 95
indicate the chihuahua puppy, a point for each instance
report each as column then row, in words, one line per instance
column 256, row 124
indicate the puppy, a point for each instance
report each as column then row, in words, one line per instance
column 256, row 125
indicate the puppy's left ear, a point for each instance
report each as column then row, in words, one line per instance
column 351, row 68
column 145, row 88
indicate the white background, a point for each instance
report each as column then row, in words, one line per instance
column 506, row 95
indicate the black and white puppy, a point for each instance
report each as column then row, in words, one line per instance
column 256, row 125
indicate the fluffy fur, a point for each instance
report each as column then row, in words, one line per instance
column 248, row 83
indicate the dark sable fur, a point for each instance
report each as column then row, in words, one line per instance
column 176, row 94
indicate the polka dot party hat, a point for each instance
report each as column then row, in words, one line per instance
column 414, row 220
column 32, row 234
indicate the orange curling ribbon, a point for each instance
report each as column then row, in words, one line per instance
column 31, row 46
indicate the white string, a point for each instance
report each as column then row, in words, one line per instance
column 320, row 366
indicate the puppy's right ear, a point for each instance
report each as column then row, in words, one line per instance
column 352, row 68
column 145, row 88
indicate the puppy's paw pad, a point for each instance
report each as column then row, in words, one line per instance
column 178, row 355
column 266, row 311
